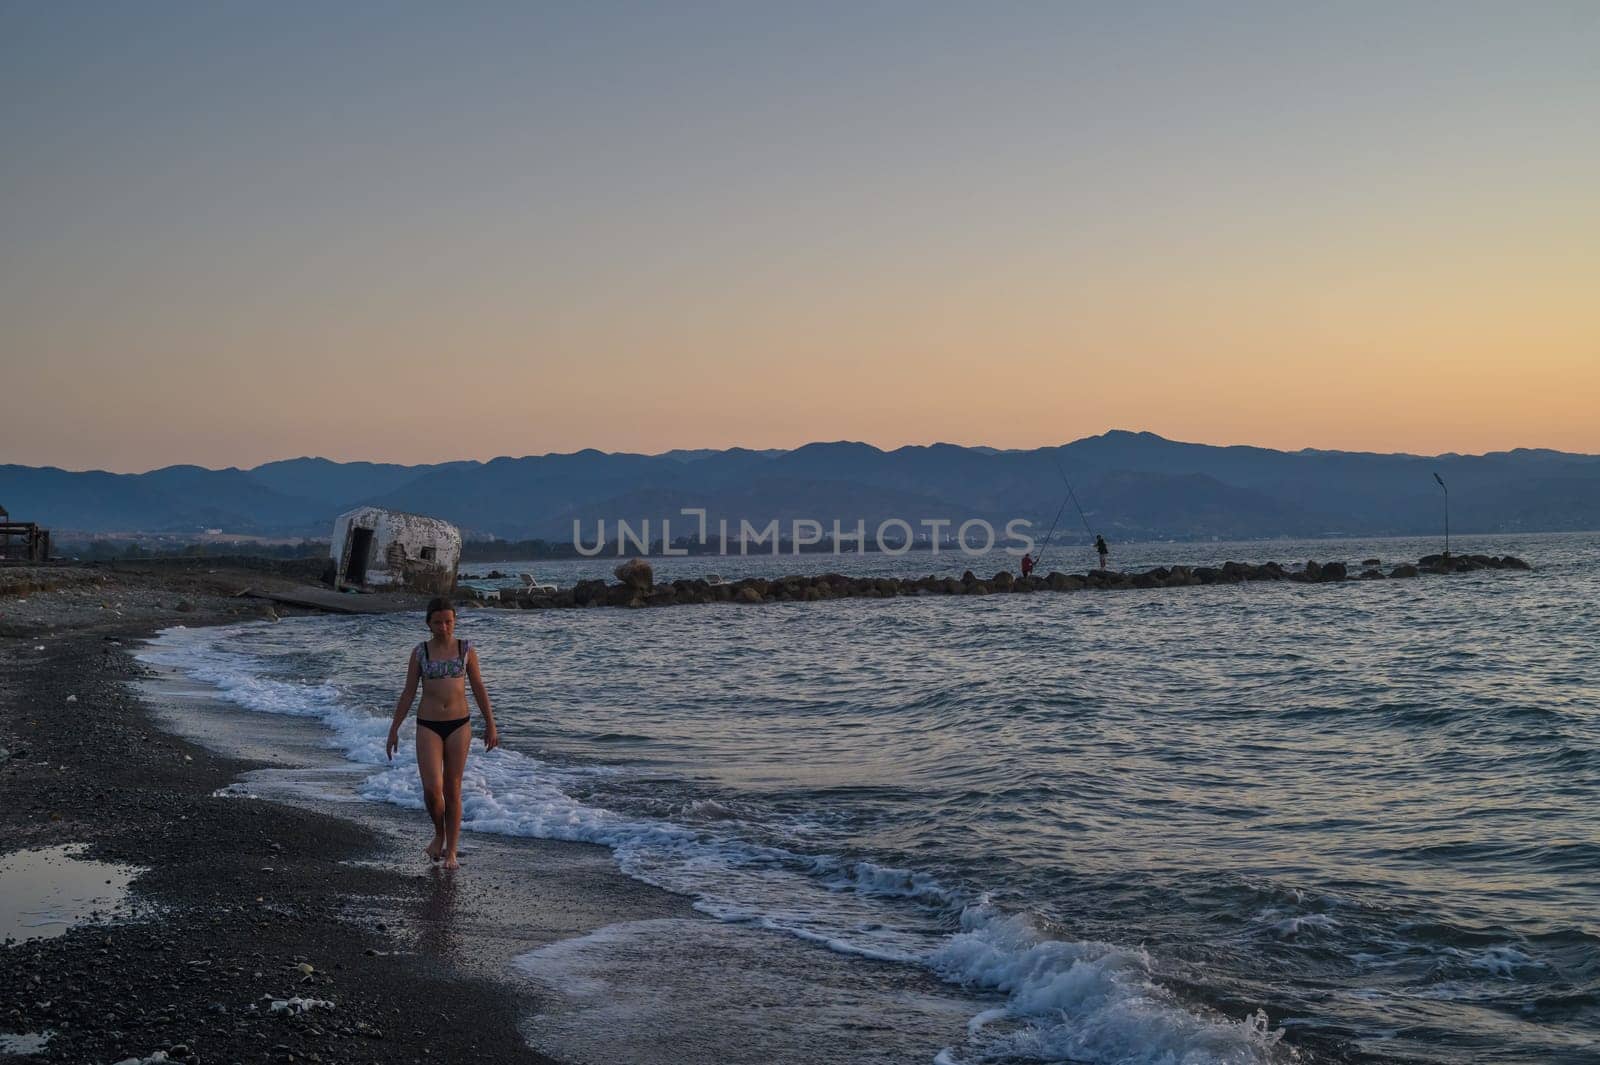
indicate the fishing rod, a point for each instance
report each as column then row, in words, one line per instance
column 1073, row 495
column 1070, row 495
column 1049, row 534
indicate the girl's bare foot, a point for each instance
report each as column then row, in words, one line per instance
column 435, row 849
column 450, row 862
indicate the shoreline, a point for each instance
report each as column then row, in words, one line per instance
column 233, row 896
column 537, row 951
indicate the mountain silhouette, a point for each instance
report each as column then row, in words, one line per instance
column 1132, row 485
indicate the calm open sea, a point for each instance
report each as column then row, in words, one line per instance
column 1211, row 824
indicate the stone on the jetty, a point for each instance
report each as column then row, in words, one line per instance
column 1003, row 581
column 1334, row 571
column 1513, row 562
column 1313, row 570
column 1372, row 574
column 590, row 593
column 748, row 594
column 636, row 573
column 1371, row 563
column 1404, row 570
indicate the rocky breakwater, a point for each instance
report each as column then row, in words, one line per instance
column 636, row 586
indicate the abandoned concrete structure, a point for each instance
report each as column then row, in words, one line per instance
column 373, row 547
column 23, row 541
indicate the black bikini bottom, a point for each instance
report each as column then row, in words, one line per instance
column 443, row 728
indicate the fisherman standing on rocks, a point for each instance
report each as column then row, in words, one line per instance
column 1100, row 546
column 1027, row 565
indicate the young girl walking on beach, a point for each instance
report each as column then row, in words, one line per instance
column 444, row 665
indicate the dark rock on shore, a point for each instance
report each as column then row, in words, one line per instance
column 1469, row 563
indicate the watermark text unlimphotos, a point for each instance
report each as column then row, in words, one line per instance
column 892, row 536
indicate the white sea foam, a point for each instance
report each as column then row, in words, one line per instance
column 1501, row 961
column 1080, row 1000
column 1291, row 927
column 1087, row 1001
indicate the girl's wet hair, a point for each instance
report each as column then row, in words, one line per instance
column 438, row 603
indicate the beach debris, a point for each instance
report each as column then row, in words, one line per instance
column 298, row 1005
column 306, row 968
column 72, row 698
column 372, row 546
column 530, row 583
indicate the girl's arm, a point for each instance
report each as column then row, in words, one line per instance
column 403, row 707
column 491, row 735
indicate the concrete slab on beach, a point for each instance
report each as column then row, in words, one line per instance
column 326, row 599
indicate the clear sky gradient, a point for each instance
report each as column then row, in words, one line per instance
column 237, row 232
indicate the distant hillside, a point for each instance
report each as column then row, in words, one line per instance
column 1132, row 486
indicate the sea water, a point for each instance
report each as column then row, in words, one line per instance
column 1240, row 823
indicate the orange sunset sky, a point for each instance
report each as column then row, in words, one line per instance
column 415, row 233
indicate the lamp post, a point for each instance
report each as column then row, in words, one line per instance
column 1446, row 488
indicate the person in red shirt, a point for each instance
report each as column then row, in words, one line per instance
column 1027, row 565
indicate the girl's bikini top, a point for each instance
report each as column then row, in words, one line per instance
column 440, row 668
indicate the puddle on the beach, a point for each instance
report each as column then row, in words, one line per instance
column 16, row 1044
column 45, row 892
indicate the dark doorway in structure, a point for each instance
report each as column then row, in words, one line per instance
column 355, row 570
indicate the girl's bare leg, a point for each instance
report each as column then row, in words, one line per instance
column 430, row 764
column 455, row 763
